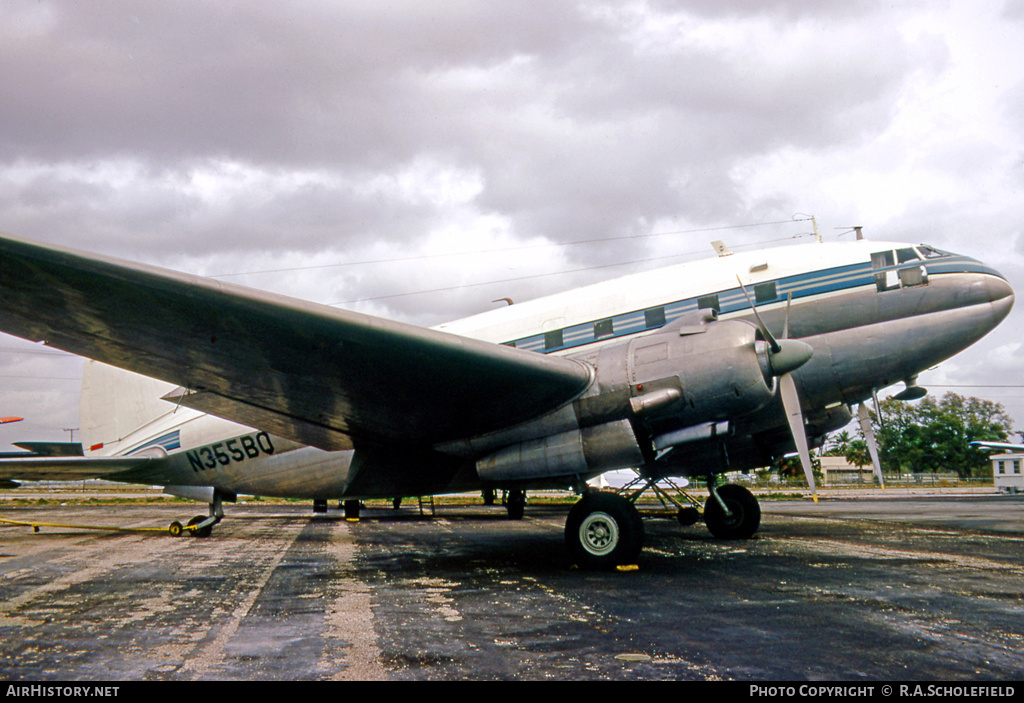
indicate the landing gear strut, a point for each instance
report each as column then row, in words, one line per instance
column 731, row 512
column 201, row 525
column 604, row 530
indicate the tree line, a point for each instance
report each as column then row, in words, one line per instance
column 929, row 435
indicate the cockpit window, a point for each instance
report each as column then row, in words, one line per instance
column 930, row 252
column 905, row 255
column 882, row 259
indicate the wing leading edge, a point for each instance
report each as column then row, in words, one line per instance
column 325, row 377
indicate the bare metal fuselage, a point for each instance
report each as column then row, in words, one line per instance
column 869, row 324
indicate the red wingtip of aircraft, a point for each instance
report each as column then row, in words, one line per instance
column 5, row 420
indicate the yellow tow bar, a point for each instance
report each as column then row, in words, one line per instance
column 176, row 529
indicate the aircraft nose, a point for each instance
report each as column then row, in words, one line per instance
column 1001, row 295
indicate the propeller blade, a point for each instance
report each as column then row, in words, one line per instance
column 795, row 417
column 768, row 336
column 786, row 355
column 869, row 437
column 785, row 323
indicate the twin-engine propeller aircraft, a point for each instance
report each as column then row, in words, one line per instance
column 691, row 370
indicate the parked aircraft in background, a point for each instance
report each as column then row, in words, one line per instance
column 691, row 370
column 998, row 446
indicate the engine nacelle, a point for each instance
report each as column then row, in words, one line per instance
column 695, row 371
column 650, row 393
column 587, row 451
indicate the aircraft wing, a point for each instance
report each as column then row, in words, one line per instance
column 325, row 377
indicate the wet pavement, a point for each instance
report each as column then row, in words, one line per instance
column 865, row 589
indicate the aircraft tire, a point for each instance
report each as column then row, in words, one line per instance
column 515, row 504
column 352, row 507
column 688, row 516
column 745, row 518
column 201, row 532
column 604, row 531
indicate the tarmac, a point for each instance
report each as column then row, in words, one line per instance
column 871, row 587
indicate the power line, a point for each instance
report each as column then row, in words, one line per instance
column 539, row 275
column 523, row 247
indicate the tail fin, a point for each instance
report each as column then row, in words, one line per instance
column 115, row 404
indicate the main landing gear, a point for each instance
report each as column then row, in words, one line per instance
column 605, row 530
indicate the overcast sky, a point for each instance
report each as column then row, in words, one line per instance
column 303, row 147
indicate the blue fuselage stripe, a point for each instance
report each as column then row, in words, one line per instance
column 805, row 285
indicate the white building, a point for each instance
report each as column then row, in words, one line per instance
column 1007, row 473
column 836, row 469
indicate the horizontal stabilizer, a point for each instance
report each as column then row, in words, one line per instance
column 51, row 448
column 34, row 468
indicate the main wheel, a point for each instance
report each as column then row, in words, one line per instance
column 352, row 507
column 744, row 517
column 603, row 531
column 515, row 504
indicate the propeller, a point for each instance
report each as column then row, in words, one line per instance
column 869, row 437
column 786, row 356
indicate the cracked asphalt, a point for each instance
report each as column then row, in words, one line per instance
column 864, row 589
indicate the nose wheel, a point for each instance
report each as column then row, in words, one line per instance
column 732, row 512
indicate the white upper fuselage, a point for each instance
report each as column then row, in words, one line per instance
column 669, row 285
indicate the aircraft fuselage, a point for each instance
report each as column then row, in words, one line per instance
column 681, row 380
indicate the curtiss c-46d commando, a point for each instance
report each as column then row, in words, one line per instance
column 691, row 370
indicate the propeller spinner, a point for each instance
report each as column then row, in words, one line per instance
column 786, row 356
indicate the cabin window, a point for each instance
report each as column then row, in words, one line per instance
column 709, row 302
column 553, row 340
column 765, row 292
column 654, row 317
column 603, row 328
